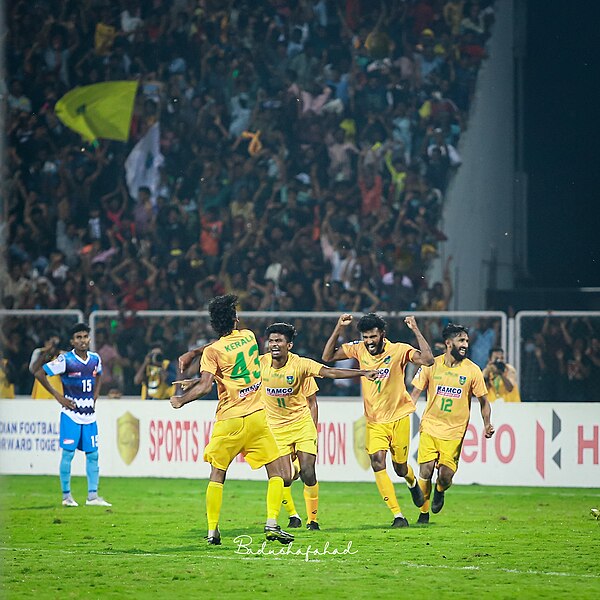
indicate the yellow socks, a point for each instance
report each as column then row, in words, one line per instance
column 410, row 476
column 288, row 501
column 274, row 497
column 386, row 489
column 425, row 485
column 214, row 500
column 311, row 498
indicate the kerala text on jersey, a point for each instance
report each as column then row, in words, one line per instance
column 239, row 343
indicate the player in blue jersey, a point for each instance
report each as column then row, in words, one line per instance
column 80, row 372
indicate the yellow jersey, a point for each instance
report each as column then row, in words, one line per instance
column 7, row 389
column 38, row 391
column 234, row 361
column 449, row 392
column 497, row 389
column 386, row 399
column 285, row 390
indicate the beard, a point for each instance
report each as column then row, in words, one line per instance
column 378, row 347
column 456, row 355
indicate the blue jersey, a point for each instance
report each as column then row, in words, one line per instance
column 79, row 382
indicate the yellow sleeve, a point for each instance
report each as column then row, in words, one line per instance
column 421, row 378
column 351, row 349
column 478, row 387
column 310, row 368
column 208, row 362
column 309, row 387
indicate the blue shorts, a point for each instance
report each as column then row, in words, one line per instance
column 74, row 436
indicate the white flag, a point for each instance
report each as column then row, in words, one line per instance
column 143, row 164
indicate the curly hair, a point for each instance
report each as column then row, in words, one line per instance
column 76, row 329
column 223, row 314
column 452, row 330
column 285, row 329
column 371, row 321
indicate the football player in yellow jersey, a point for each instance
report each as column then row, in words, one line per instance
column 501, row 378
column 241, row 424
column 289, row 392
column 387, row 403
column 450, row 383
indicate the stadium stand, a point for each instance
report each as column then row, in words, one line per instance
column 306, row 147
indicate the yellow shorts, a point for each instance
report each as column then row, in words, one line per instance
column 446, row 452
column 249, row 435
column 394, row 436
column 299, row 436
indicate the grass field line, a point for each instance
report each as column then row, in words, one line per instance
column 499, row 569
column 144, row 554
column 220, row 557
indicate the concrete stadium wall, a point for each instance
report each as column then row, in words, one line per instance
column 479, row 214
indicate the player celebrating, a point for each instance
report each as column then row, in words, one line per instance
column 289, row 391
column 80, row 372
column 241, row 425
column 386, row 401
column 450, row 383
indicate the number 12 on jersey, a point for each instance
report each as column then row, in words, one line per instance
column 447, row 404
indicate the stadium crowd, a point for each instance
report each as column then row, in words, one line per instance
column 307, row 148
column 560, row 359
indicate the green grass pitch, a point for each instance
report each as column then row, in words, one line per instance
column 488, row 542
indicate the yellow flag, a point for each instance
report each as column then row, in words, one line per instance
column 101, row 110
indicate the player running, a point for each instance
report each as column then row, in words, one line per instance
column 289, row 394
column 289, row 391
column 450, row 383
column 241, row 424
column 386, row 401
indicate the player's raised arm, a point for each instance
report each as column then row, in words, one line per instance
column 424, row 356
column 330, row 352
column 335, row 373
column 197, row 390
column 185, row 360
column 486, row 415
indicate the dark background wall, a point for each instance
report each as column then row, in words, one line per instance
column 562, row 142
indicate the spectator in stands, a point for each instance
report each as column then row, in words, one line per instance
column 482, row 339
column 155, row 375
column 112, row 365
column 7, row 377
column 501, row 378
column 249, row 102
column 49, row 351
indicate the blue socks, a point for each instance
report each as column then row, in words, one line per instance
column 91, row 467
column 65, row 472
column 93, row 473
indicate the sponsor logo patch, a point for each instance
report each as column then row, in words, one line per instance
column 279, row 391
column 252, row 388
column 448, row 391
